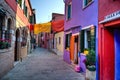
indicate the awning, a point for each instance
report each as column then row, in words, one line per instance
column 2, row 11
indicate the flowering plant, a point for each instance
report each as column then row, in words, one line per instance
column 91, row 60
column 4, row 43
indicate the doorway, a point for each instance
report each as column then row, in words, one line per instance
column 117, row 53
column 76, row 49
column 108, row 53
column 17, row 46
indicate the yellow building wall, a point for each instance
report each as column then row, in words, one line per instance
column 19, row 22
column 60, row 46
column 23, row 50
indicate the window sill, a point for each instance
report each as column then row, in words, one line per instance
column 84, row 7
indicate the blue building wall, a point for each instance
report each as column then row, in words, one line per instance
column 84, row 17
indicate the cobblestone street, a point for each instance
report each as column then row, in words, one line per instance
column 43, row 65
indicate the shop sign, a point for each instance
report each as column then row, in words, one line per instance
column 113, row 15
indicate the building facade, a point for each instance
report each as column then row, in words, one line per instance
column 109, row 41
column 15, row 35
column 7, row 29
column 58, row 35
column 81, row 29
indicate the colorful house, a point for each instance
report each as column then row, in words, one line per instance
column 58, row 32
column 109, row 40
column 81, row 27
column 14, row 32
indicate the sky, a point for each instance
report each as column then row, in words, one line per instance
column 45, row 8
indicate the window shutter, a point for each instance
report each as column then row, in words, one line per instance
column 26, row 11
column 93, row 36
column 82, row 40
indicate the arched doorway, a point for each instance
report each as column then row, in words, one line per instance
column 17, row 46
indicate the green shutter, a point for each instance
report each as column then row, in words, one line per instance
column 20, row 2
column 82, row 40
column 26, row 11
column 93, row 38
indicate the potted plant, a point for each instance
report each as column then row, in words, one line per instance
column 90, row 62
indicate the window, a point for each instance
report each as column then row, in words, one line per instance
column 69, row 10
column 1, row 21
column 5, row 36
column 19, row 2
column 24, row 37
column 86, row 3
column 30, row 19
column 7, row 32
column 59, row 40
column 25, row 9
column 67, row 41
column 26, row 12
column 87, row 39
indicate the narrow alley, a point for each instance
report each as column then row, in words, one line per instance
column 43, row 65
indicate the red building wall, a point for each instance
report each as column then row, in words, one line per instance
column 57, row 16
column 107, row 7
column 106, row 49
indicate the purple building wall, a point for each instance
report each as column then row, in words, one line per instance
column 82, row 17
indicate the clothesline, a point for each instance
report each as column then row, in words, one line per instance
column 55, row 26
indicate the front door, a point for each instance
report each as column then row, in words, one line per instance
column 16, row 54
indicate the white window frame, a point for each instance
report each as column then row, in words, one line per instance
column 85, row 35
column 84, row 6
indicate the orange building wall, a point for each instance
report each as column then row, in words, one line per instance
column 19, row 12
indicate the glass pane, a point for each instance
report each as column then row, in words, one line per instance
column 69, row 11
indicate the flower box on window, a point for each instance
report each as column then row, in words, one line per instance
column 4, row 44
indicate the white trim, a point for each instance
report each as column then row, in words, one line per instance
column 68, row 32
column 84, row 6
column 23, row 4
column 110, row 17
column 83, row 28
column 75, row 34
column 108, row 20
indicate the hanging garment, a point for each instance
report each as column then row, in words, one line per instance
column 31, row 27
column 45, row 27
column 57, row 26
